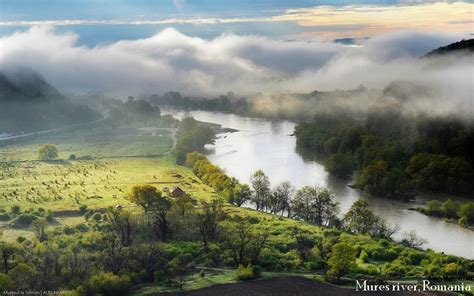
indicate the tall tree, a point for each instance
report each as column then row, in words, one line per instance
column 208, row 221
column 315, row 205
column 280, row 199
column 261, row 186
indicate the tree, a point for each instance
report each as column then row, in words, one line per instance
column 7, row 251
column 315, row 205
column 242, row 194
column 47, row 152
column 341, row 260
column 303, row 242
column 280, row 198
column 244, row 242
column 22, row 277
column 411, row 239
column 208, row 220
column 359, row 218
column 39, row 225
column 119, row 221
column 160, row 218
column 144, row 195
column 340, row 165
column 261, row 187
column 467, row 214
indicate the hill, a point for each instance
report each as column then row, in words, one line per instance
column 29, row 103
column 461, row 46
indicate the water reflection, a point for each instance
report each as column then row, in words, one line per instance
column 261, row 144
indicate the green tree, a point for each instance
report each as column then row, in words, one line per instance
column 316, row 205
column 261, row 187
column 280, row 198
column 341, row 260
column 340, row 165
column 467, row 214
column 22, row 276
column 359, row 218
column 208, row 220
column 144, row 195
column 47, row 152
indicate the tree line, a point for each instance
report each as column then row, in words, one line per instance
column 393, row 154
column 312, row 204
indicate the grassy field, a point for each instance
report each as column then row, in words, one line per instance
column 120, row 158
column 101, row 141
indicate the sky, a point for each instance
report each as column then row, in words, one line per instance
column 106, row 21
column 210, row 47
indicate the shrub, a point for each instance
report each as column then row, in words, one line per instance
column 109, row 284
column 97, row 217
column 4, row 217
column 25, row 219
column 364, row 256
column 15, row 210
column 245, row 273
column 49, row 216
column 83, row 209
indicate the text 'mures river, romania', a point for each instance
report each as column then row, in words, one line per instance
column 269, row 146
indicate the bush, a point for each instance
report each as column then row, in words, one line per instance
column 83, row 209
column 25, row 219
column 4, row 217
column 15, row 210
column 364, row 256
column 109, row 284
column 246, row 273
column 159, row 276
column 49, row 216
column 97, row 217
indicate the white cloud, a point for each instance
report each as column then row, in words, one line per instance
column 246, row 65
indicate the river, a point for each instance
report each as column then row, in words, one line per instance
column 269, row 146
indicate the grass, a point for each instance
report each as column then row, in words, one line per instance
column 122, row 158
column 98, row 142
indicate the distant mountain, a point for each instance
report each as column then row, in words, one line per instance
column 29, row 103
column 461, row 46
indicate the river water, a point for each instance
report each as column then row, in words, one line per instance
column 269, row 146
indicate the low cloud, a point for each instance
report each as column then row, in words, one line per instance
column 246, row 65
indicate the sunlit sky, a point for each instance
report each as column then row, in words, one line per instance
column 105, row 21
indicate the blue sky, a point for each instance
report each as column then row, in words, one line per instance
column 98, row 22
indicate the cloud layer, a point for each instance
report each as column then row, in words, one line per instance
column 246, row 65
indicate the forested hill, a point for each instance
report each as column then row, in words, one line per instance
column 29, row 103
column 461, row 46
column 26, row 85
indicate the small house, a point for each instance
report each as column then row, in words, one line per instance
column 177, row 192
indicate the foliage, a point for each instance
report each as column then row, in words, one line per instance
column 388, row 160
column 47, row 152
column 315, row 205
column 191, row 136
column 144, row 195
column 341, row 260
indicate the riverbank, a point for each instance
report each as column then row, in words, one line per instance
column 267, row 145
